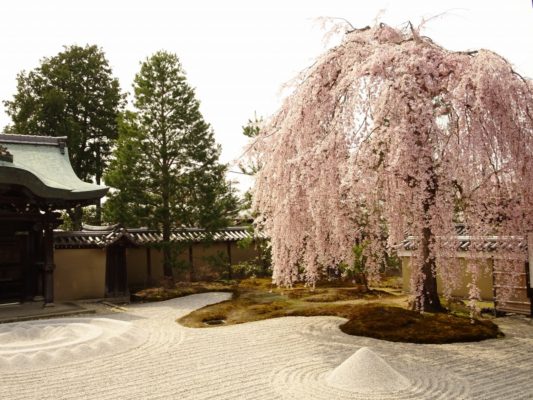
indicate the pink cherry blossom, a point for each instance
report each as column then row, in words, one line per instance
column 387, row 134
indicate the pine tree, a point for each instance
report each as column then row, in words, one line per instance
column 132, row 205
column 167, row 168
column 72, row 94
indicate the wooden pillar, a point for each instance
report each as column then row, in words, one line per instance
column 39, row 264
column 530, row 257
column 23, row 239
column 191, row 265
column 529, row 272
column 494, row 283
column 230, row 274
column 148, row 266
column 49, row 266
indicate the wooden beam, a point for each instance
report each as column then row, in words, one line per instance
column 192, row 273
column 49, row 265
column 529, row 272
column 148, row 266
column 230, row 272
column 530, row 257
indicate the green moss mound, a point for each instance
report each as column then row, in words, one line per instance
column 167, row 290
column 400, row 325
column 370, row 312
column 328, row 295
column 367, row 315
column 162, row 293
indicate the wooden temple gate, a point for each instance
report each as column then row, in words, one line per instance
column 116, row 279
column 36, row 178
column 26, row 255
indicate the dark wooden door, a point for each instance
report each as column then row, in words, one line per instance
column 12, row 267
column 116, row 271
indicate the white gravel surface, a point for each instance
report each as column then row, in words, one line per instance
column 144, row 354
column 365, row 372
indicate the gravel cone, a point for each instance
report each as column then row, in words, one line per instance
column 366, row 372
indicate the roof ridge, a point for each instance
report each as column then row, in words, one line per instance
column 103, row 238
column 33, row 139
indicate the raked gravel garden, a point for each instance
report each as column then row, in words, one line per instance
column 143, row 353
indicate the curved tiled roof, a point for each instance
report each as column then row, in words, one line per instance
column 475, row 243
column 93, row 236
column 42, row 165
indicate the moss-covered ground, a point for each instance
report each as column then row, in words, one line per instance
column 181, row 289
column 379, row 313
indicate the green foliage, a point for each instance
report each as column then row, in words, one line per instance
column 167, row 171
column 179, row 265
column 72, row 94
column 357, row 271
column 252, row 269
column 217, row 261
column 392, row 262
column 129, row 202
column 359, row 258
column 251, row 165
column 252, row 127
column 88, row 215
column 260, row 265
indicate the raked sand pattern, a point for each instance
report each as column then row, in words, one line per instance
column 43, row 343
column 144, row 354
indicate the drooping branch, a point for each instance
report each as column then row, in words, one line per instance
column 376, row 124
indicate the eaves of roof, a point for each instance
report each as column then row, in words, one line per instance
column 42, row 165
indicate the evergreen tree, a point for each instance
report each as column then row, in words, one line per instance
column 167, row 168
column 250, row 163
column 132, row 204
column 72, row 94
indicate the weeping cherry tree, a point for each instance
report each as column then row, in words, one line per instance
column 394, row 130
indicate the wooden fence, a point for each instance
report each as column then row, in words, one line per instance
column 520, row 301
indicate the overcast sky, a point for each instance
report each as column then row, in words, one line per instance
column 237, row 54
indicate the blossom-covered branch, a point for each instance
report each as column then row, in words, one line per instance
column 391, row 129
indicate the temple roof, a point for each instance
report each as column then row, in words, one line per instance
column 476, row 243
column 465, row 241
column 41, row 164
column 103, row 236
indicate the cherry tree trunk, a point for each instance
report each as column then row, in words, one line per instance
column 428, row 298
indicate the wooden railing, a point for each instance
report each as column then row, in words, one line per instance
column 519, row 301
